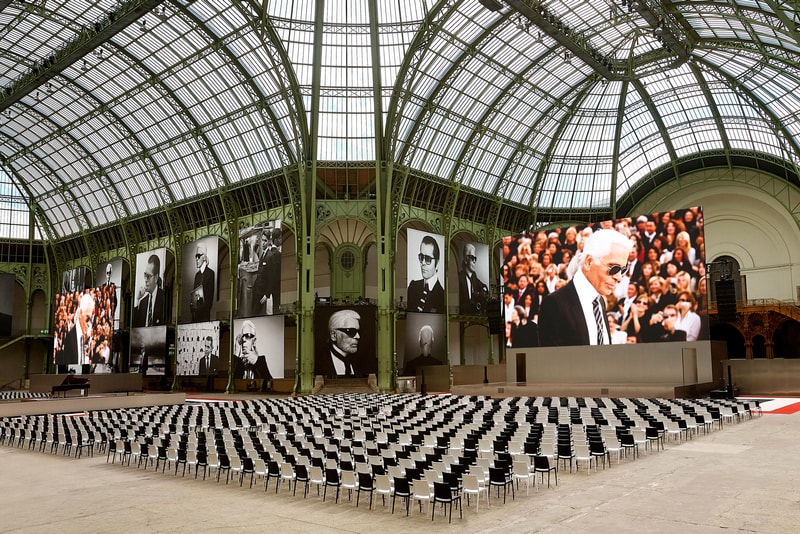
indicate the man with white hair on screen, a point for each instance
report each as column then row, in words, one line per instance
column 575, row 314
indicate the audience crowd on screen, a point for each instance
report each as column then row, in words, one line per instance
column 98, row 346
column 666, row 268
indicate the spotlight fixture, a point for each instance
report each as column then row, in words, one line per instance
column 143, row 27
column 49, row 87
column 161, row 13
column 99, row 53
column 85, row 65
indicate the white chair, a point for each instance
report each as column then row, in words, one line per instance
column 471, row 485
column 582, row 454
column 522, row 471
column 421, row 492
column 349, row 482
column 316, row 476
column 383, row 486
column 287, row 473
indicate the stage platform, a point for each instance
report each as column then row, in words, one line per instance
column 76, row 404
column 525, row 389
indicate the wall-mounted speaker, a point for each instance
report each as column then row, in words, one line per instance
column 726, row 300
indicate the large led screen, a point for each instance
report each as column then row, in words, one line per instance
column 425, row 342
column 426, row 273
column 344, row 341
column 150, row 303
column 632, row 280
column 259, row 272
column 197, row 350
column 84, row 326
column 199, row 280
column 473, row 278
column 258, row 350
column 149, row 350
column 110, row 273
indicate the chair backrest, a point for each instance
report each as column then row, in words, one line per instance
column 287, row 471
column 421, row 488
column 521, row 467
column 401, row 486
column 470, row 483
column 365, row 481
column 315, row 473
column 442, row 492
column 332, row 476
column 349, row 478
column 273, row 468
column 382, row 483
column 541, row 463
column 301, row 472
column 497, row 475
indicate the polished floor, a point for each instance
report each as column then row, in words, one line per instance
column 742, row 479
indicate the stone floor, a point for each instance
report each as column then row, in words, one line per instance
column 741, row 479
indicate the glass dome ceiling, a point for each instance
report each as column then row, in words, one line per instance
column 112, row 111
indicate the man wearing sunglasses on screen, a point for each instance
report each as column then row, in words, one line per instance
column 248, row 363
column 576, row 313
column 342, row 358
column 427, row 295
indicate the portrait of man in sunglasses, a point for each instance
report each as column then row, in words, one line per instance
column 248, row 363
column 472, row 291
column 427, row 294
column 341, row 357
column 576, row 313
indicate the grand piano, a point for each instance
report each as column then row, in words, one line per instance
column 69, row 383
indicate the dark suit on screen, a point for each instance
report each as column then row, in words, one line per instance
column 202, row 309
column 477, row 302
column 209, row 369
column 259, row 369
column 69, row 350
column 140, row 314
column 420, row 300
column 561, row 319
column 268, row 281
column 323, row 364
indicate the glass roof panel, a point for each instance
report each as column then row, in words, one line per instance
column 206, row 98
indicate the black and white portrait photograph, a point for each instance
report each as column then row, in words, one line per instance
column 199, row 280
column 425, row 342
column 258, row 349
column 149, row 350
column 75, row 280
column 197, row 349
column 259, row 270
column 113, row 273
column 344, row 341
column 426, row 272
column 149, row 304
column 473, row 278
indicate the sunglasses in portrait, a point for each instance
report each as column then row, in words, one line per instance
column 424, row 258
column 470, row 257
column 248, row 336
column 614, row 270
column 642, row 302
column 349, row 332
column 198, row 256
